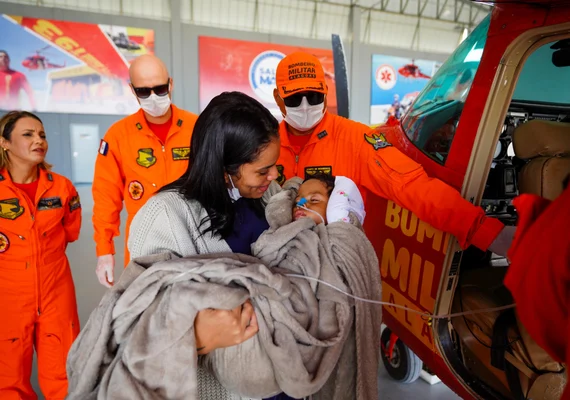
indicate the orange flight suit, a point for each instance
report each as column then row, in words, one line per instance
column 346, row 148
column 132, row 165
column 36, row 287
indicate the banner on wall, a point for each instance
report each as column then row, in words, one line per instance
column 249, row 67
column 68, row 67
column 396, row 82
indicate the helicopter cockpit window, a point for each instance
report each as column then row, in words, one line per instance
column 432, row 120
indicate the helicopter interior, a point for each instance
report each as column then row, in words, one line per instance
column 493, row 350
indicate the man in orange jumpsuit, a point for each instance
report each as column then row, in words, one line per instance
column 40, row 214
column 11, row 83
column 138, row 155
column 313, row 139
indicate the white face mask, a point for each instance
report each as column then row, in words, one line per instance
column 155, row 106
column 305, row 116
column 234, row 193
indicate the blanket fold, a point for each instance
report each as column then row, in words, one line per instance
column 139, row 342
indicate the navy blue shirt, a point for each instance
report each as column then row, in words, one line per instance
column 248, row 226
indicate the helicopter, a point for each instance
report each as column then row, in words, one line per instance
column 39, row 62
column 412, row 71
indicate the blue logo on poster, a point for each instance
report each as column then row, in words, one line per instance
column 262, row 74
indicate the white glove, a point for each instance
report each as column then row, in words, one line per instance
column 105, row 269
column 345, row 198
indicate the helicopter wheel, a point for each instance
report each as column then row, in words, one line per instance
column 403, row 366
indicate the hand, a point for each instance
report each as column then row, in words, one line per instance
column 503, row 241
column 105, row 269
column 215, row 329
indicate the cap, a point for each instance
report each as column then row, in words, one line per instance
column 300, row 72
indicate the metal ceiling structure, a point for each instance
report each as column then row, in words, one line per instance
column 423, row 25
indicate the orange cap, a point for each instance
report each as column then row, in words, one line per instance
column 300, row 72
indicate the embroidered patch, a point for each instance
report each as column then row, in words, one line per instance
column 139, row 126
column 74, row 203
column 378, row 141
column 1, row 178
column 179, row 123
column 11, row 208
column 103, row 148
column 146, row 158
column 136, row 190
column 180, row 153
column 4, row 243
column 49, row 203
column 322, row 134
column 281, row 178
column 322, row 169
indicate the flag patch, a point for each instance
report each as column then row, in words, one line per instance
column 103, row 148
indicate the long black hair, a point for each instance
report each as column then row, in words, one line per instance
column 231, row 131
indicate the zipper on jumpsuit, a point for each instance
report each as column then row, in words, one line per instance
column 36, row 243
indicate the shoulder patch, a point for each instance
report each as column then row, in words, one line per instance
column 139, row 126
column 1, row 177
column 179, row 123
column 103, row 148
column 180, row 153
column 74, row 203
column 50, row 177
column 4, row 243
column 11, row 208
column 136, row 190
column 49, row 203
column 378, row 141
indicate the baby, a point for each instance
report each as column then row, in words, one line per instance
column 325, row 198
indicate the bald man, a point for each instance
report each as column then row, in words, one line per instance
column 138, row 155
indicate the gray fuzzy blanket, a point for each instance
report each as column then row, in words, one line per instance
column 139, row 343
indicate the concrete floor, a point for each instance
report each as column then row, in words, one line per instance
column 89, row 292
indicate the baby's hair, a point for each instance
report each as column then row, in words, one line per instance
column 327, row 179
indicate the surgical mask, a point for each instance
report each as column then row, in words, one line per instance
column 234, row 193
column 155, row 106
column 305, row 116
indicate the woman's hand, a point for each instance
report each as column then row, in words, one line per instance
column 215, row 329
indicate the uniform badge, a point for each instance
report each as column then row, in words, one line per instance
column 74, row 203
column 49, row 203
column 10, row 208
column 103, row 148
column 281, row 178
column 180, row 153
column 146, row 158
column 377, row 141
column 136, row 190
column 4, row 243
column 323, row 169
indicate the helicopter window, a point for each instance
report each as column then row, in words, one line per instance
column 432, row 120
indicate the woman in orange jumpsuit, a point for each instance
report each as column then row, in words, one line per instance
column 40, row 214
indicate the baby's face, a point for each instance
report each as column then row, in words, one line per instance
column 317, row 196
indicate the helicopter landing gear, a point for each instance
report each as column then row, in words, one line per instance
column 400, row 362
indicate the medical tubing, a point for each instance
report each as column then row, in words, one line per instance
column 422, row 313
column 314, row 212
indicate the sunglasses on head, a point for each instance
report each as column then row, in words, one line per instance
column 144, row 92
column 313, row 98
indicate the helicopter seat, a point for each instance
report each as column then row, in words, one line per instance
column 546, row 147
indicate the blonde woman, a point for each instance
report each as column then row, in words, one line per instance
column 40, row 214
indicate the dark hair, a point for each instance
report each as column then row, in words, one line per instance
column 327, row 179
column 5, row 53
column 231, row 131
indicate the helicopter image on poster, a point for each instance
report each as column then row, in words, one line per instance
column 40, row 62
column 412, row 71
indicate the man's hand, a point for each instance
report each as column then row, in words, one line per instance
column 105, row 269
column 503, row 241
column 215, row 329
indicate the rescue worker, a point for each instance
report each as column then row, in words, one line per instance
column 40, row 214
column 138, row 155
column 314, row 140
